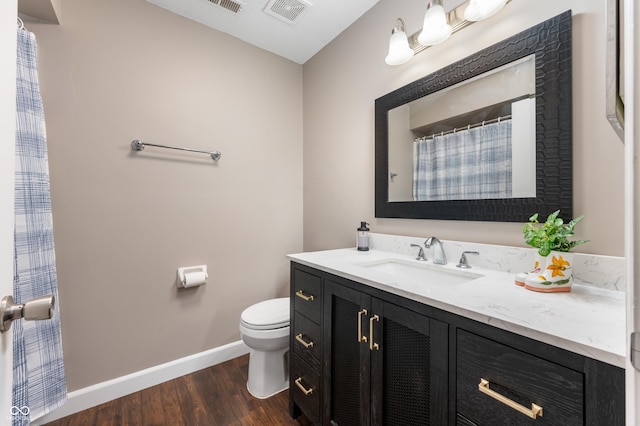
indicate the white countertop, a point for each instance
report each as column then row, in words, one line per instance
column 589, row 321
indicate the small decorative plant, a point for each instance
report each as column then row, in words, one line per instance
column 552, row 235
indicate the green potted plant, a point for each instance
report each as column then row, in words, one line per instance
column 552, row 235
column 552, row 271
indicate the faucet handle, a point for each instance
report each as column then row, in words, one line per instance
column 421, row 255
column 464, row 263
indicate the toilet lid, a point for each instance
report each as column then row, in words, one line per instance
column 269, row 314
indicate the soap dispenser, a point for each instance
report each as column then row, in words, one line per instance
column 362, row 240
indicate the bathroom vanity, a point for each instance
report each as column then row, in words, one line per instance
column 373, row 344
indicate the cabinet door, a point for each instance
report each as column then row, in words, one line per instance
column 409, row 369
column 346, row 381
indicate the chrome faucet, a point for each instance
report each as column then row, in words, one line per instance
column 439, row 257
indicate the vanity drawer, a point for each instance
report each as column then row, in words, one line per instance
column 305, row 389
column 308, row 295
column 520, row 378
column 307, row 337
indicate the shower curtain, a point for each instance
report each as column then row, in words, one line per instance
column 39, row 382
column 464, row 165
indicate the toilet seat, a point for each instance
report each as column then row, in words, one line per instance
column 267, row 315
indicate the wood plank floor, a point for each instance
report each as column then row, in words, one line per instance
column 214, row 396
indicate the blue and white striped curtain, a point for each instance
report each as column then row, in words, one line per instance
column 39, row 382
column 467, row 164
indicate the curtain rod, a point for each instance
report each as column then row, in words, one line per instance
column 467, row 127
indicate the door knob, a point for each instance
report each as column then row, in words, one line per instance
column 40, row 308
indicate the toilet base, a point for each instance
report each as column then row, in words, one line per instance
column 268, row 372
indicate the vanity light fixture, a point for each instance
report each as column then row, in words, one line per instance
column 438, row 26
column 483, row 9
column 399, row 50
column 436, row 29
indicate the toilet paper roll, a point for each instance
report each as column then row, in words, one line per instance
column 192, row 279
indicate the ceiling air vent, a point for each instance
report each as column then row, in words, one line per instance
column 289, row 11
column 233, row 6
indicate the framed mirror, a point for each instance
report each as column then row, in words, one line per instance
column 488, row 138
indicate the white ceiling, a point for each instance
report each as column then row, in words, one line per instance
column 321, row 22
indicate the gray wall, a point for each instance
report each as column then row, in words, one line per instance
column 122, row 69
column 119, row 70
column 343, row 80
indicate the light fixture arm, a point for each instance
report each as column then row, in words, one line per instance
column 399, row 26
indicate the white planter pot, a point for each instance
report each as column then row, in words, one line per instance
column 557, row 275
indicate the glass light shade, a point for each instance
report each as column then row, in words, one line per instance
column 483, row 9
column 435, row 29
column 399, row 50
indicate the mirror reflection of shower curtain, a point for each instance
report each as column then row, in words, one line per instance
column 473, row 163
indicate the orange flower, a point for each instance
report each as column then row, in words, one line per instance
column 558, row 265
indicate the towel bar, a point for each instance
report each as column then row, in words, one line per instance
column 138, row 145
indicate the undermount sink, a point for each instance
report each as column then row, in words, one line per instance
column 416, row 273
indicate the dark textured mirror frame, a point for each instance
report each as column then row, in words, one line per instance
column 550, row 41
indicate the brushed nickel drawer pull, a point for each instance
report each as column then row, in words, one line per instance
column 372, row 345
column 298, row 382
column 361, row 337
column 301, row 340
column 303, row 296
column 533, row 412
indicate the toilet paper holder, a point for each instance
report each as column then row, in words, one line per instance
column 191, row 276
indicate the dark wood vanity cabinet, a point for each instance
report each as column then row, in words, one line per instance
column 381, row 359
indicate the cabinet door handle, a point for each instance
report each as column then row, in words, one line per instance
column 301, row 340
column 298, row 383
column 372, row 345
column 361, row 337
column 303, row 296
column 533, row 412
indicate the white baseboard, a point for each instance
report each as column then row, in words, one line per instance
column 100, row 393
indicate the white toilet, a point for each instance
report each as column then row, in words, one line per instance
column 264, row 328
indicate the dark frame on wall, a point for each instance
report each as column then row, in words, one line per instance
column 614, row 106
column 550, row 42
